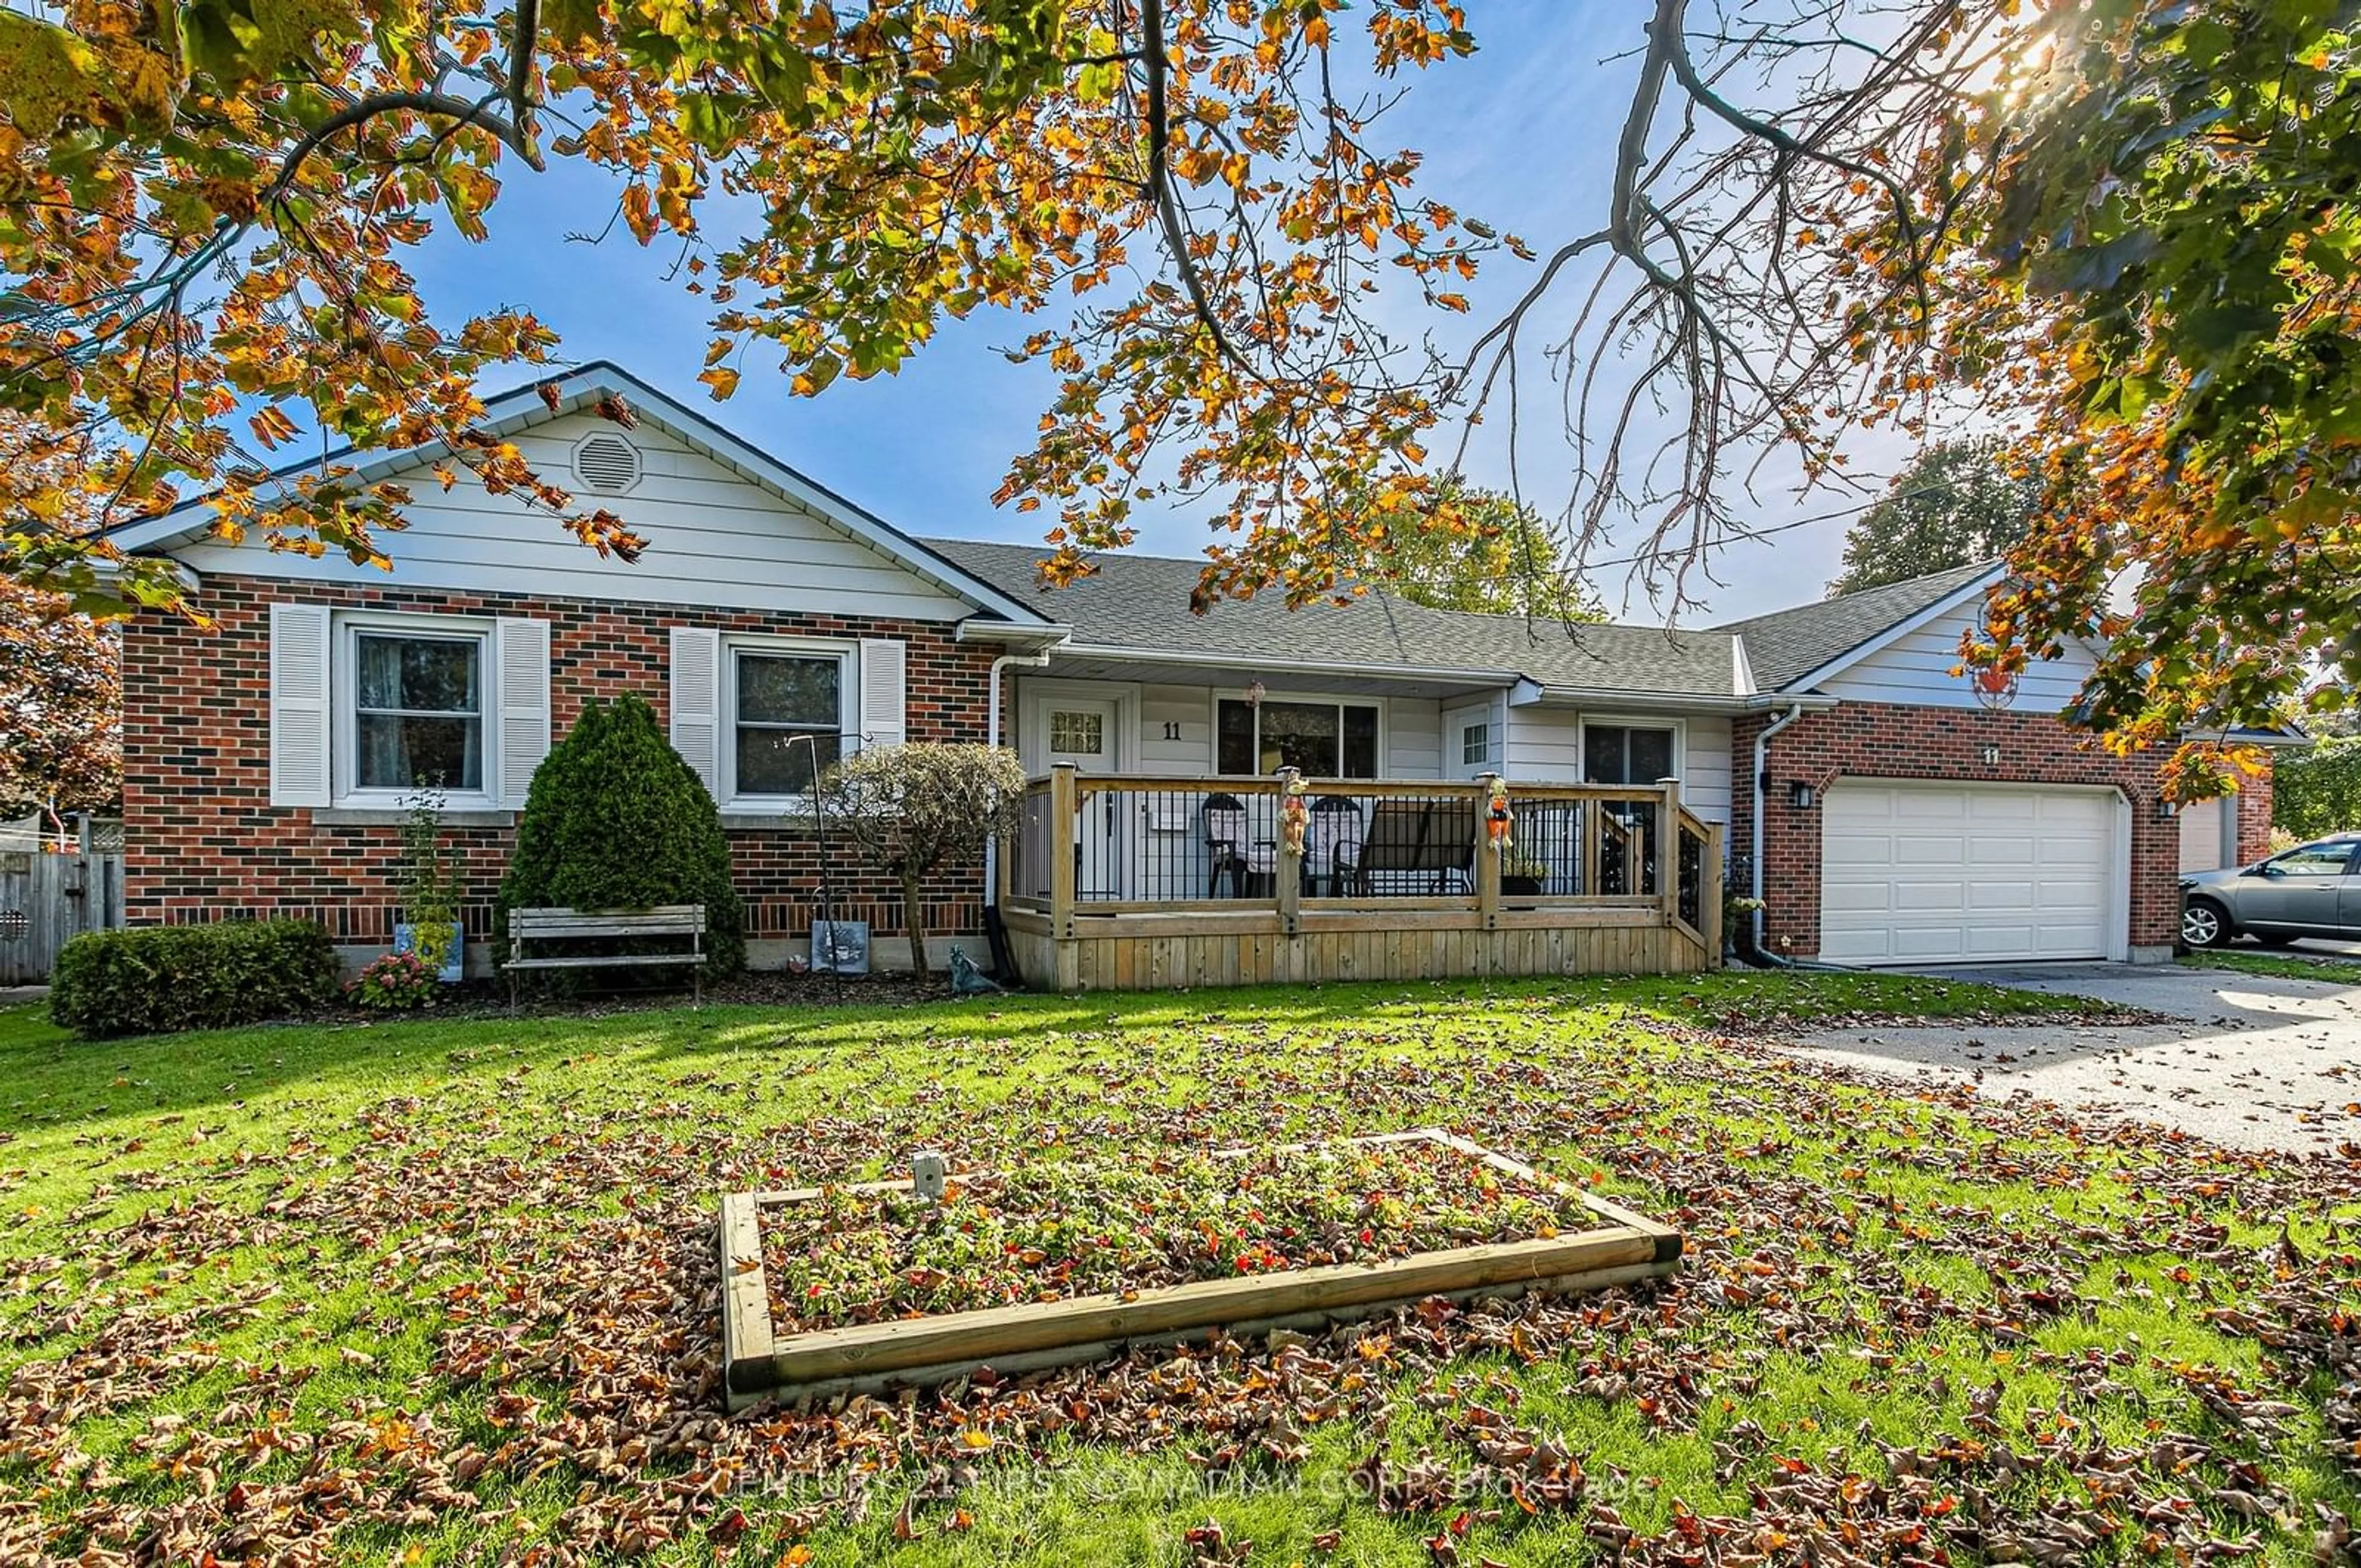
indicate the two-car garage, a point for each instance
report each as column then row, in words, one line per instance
column 1932, row 873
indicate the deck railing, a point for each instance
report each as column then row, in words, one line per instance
column 1097, row 845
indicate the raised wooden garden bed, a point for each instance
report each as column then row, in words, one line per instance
column 1570, row 1240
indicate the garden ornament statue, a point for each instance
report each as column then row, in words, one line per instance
column 1497, row 818
column 968, row 981
column 1294, row 816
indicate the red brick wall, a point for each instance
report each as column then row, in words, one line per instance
column 202, row 841
column 1889, row 741
column 2254, row 815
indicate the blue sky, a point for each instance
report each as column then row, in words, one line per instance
column 1522, row 134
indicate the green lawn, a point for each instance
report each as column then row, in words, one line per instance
column 2326, row 967
column 445, row 1291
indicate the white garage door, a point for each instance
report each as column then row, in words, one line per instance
column 1911, row 874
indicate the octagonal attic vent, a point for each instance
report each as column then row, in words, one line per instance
column 606, row 463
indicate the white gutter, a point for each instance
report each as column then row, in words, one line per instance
column 1762, row 762
column 992, row 738
column 1626, row 699
column 980, row 628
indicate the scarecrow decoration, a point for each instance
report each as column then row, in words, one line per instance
column 1497, row 818
column 1294, row 816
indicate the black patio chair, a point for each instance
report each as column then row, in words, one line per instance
column 1225, row 843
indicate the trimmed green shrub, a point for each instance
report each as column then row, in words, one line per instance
column 154, row 978
column 2316, row 790
column 616, row 820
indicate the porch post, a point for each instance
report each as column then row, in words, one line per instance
column 1709, row 896
column 1668, row 851
column 1065, row 807
column 1287, row 875
column 1488, row 861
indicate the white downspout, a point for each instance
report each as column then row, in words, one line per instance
column 992, row 738
column 1762, row 762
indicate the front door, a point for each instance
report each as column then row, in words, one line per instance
column 2296, row 890
column 1081, row 732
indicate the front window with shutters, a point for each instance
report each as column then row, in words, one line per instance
column 789, row 715
column 414, row 705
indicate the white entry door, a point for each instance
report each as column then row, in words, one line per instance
column 1081, row 731
column 1968, row 873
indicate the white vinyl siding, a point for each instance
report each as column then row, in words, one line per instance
column 1176, row 731
column 1413, row 739
column 1705, row 768
column 715, row 538
column 1171, row 726
column 1545, row 746
column 1968, row 873
column 1916, row 668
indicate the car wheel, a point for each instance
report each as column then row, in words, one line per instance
column 2204, row 923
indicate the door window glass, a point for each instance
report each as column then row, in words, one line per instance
column 2316, row 860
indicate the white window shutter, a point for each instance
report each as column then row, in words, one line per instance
column 696, row 702
column 522, row 653
column 884, row 692
column 299, row 704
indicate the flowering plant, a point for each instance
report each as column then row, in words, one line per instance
column 394, row 982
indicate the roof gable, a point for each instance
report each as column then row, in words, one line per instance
column 186, row 532
column 1798, row 647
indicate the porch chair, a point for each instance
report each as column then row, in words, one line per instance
column 1332, row 843
column 1390, row 845
column 1225, row 844
column 1448, row 851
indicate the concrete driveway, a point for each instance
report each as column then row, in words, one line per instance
column 2248, row 1060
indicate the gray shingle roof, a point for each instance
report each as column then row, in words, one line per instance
column 1142, row 602
column 1785, row 646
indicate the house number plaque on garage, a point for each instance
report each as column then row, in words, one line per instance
column 1991, row 756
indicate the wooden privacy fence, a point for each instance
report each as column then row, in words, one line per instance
column 47, row 900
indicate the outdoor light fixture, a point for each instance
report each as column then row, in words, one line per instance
column 1253, row 695
column 2166, row 807
column 1799, row 795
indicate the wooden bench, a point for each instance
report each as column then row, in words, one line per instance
column 1431, row 839
column 679, row 920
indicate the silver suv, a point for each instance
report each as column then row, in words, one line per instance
column 2313, row 890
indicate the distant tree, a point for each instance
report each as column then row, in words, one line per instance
column 61, row 707
column 1484, row 551
column 2317, row 789
column 912, row 810
column 1957, row 503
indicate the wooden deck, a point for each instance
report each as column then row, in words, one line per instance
column 1626, row 880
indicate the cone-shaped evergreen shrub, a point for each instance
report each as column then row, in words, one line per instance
column 616, row 820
